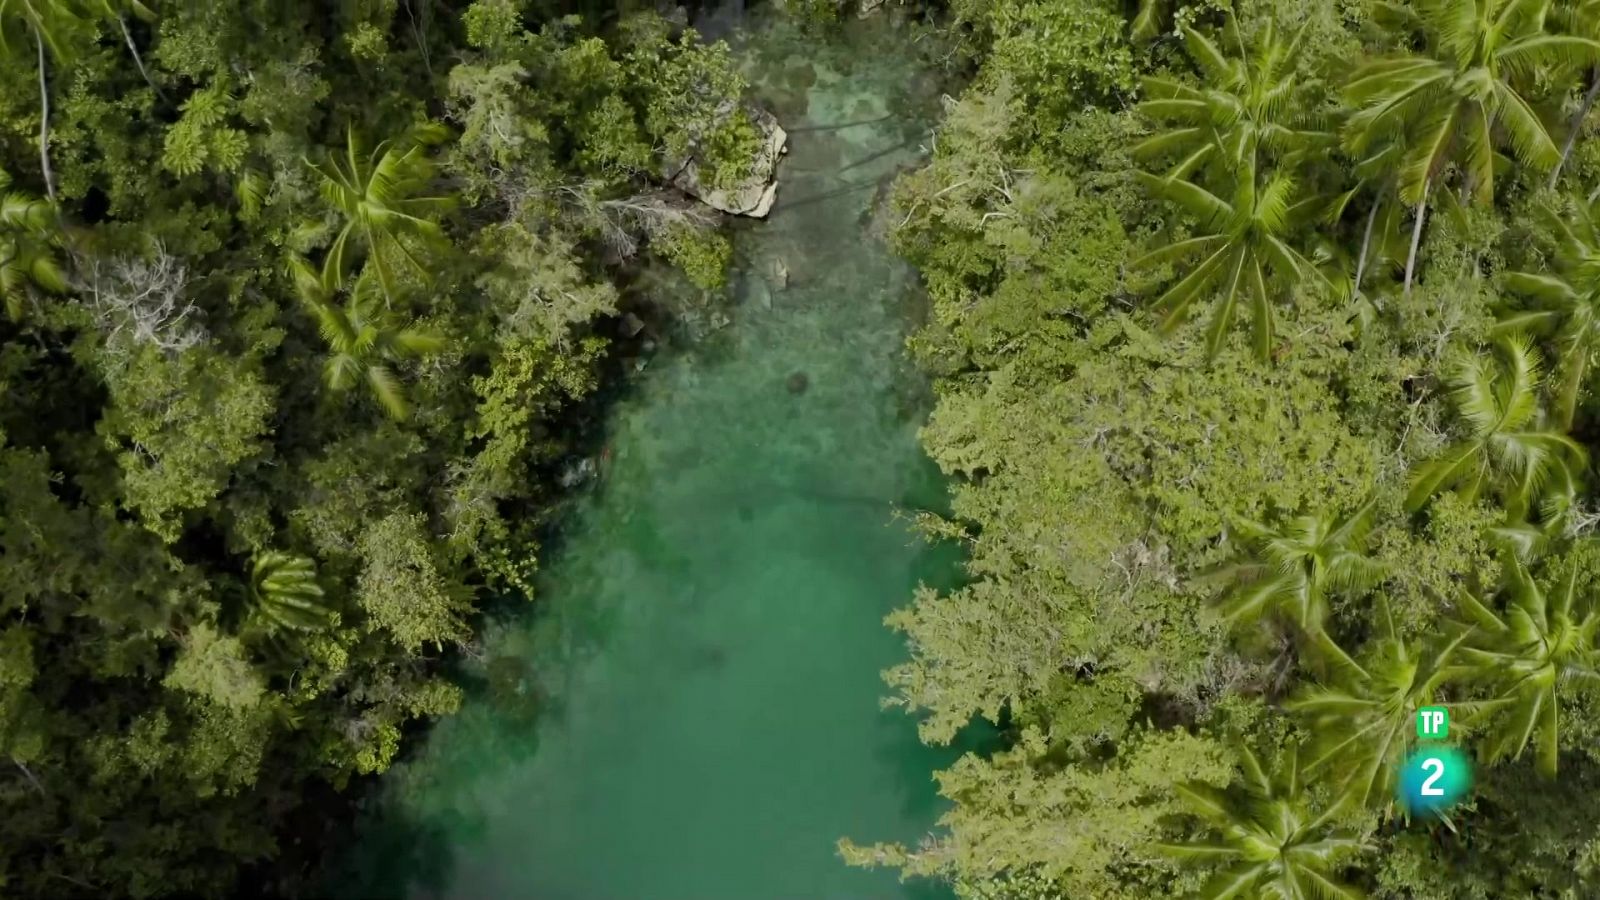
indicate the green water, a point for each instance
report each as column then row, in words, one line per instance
column 709, row 639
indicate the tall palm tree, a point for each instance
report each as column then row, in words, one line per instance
column 285, row 593
column 1455, row 100
column 1565, row 302
column 29, row 238
column 1580, row 17
column 1363, row 718
column 380, row 195
column 1539, row 644
column 1506, row 449
column 1246, row 103
column 364, row 340
column 1268, row 839
column 1292, row 570
column 1243, row 248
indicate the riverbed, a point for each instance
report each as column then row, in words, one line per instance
column 691, row 708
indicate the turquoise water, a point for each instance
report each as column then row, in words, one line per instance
column 707, row 648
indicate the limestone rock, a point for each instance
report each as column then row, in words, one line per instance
column 755, row 195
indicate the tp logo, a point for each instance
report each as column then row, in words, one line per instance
column 1433, row 778
column 1433, row 723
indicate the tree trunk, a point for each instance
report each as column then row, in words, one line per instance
column 1366, row 241
column 1416, row 236
column 138, row 60
column 44, row 123
column 1577, row 125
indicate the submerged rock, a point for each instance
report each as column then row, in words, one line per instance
column 798, row 382
column 754, row 195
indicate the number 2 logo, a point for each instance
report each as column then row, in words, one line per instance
column 1436, row 766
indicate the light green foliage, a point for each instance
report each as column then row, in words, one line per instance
column 201, row 138
column 1450, row 103
column 688, row 108
column 1505, row 449
column 29, row 259
column 1271, row 841
column 1100, row 473
column 180, row 425
column 285, row 592
column 380, row 195
column 1564, row 303
column 401, row 588
column 1291, row 571
column 1364, row 717
column 1245, row 108
column 703, row 256
column 214, row 666
column 365, row 341
column 1544, row 641
column 1061, row 56
column 1086, row 830
column 1087, row 541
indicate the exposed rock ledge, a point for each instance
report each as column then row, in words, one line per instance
column 754, row 195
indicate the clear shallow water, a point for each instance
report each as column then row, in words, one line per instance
column 707, row 646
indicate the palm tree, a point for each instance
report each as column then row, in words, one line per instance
column 1578, row 17
column 1455, row 101
column 1566, row 302
column 1362, row 720
column 1246, row 103
column 1505, row 449
column 1268, row 839
column 1147, row 21
column 1539, row 644
column 1243, row 250
column 284, row 591
column 379, row 194
column 29, row 237
column 1291, row 571
column 364, row 339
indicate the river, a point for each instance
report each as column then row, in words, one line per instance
column 702, row 666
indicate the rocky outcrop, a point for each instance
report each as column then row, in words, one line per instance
column 754, row 195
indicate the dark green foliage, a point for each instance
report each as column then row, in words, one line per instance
column 289, row 350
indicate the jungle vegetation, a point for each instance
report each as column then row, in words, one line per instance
column 1263, row 335
column 1262, row 332
column 304, row 306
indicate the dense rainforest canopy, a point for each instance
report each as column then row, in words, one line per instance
column 1262, row 333
column 301, row 300
column 1263, row 336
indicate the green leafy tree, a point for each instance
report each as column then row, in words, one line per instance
column 1243, row 105
column 1268, row 840
column 365, row 340
column 29, row 240
column 381, row 197
column 1291, row 572
column 1537, row 649
column 1460, row 97
column 1506, row 448
column 1363, row 718
column 1565, row 302
column 43, row 24
column 284, row 592
column 1245, row 257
